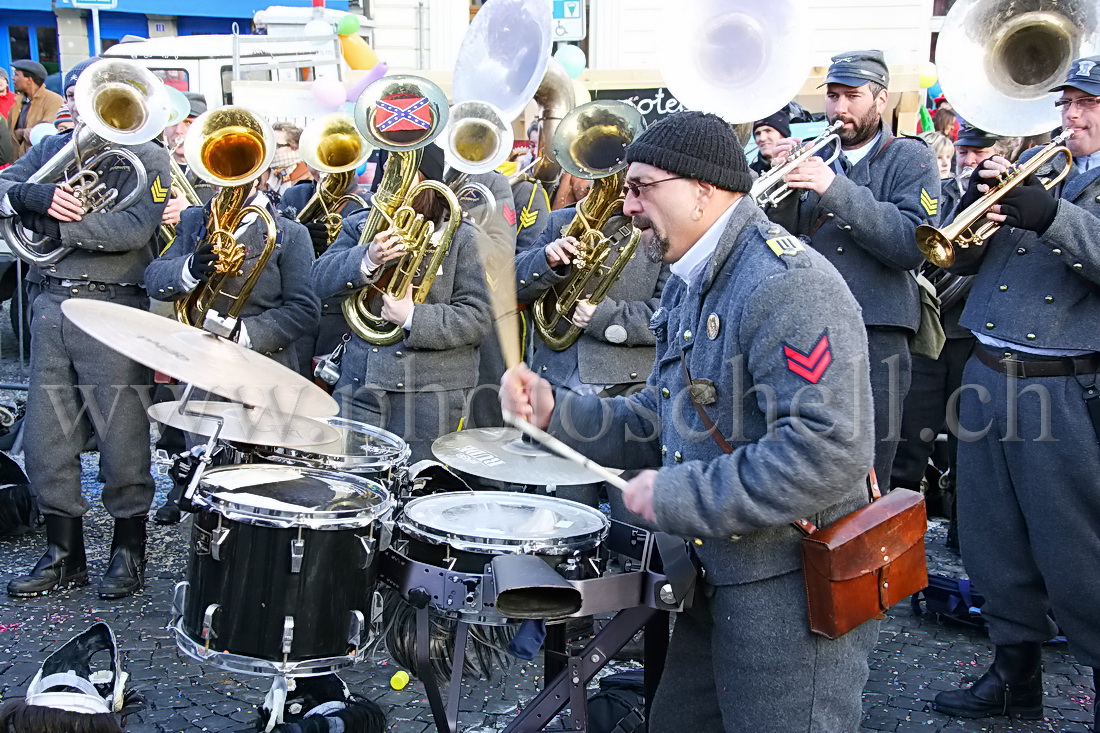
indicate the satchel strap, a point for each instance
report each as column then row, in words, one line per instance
column 802, row 525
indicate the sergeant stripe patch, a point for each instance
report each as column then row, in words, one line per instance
column 528, row 217
column 810, row 366
column 158, row 192
column 930, row 203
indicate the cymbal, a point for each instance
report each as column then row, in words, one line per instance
column 199, row 358
column 501, row 455
column 241, row 424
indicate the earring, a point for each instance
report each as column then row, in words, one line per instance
column 698, row 213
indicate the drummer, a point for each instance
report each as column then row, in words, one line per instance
column 418, row 387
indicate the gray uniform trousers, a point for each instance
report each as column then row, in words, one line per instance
column 891, row 373
column 744, row 633
column 67, row 367
column 1033, row 495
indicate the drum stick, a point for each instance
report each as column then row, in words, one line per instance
column 555, row 445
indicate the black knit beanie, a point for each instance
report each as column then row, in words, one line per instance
column 696, row 145
column 779, row 121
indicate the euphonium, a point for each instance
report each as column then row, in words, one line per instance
column 970, row 229
column 381, row 114
column 229, row 147
column 333, row 146
column 771, row 188
column 120, row 103
column 591, row 143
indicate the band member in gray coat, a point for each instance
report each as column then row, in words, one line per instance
column 761, row 322
column 1029, row 492
column 70, row 371
column 281, row 308
column 418, row 387
column 862, row 213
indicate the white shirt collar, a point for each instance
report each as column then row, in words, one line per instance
column 1087, row 162
column 858, row 154
column 690, row 266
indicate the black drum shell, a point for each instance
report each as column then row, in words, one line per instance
column 255, row 588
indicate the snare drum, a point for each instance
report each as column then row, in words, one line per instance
column 282, row 568
column 462, row 532
column 362, row 449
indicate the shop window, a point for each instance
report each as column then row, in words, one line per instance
column 47, row 48
column 20, row 42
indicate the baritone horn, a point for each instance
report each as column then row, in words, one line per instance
column 970, row 230
column 333, row 146
column 229, row 147
column 120, row 104
column 591, row 143
column 401, row 114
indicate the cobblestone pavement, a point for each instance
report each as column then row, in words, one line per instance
column 916, row 657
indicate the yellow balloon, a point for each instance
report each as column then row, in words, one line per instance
column 399, row 680
column 928, row 75
column 358, row 53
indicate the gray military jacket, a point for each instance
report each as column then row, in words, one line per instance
column 440, row 350
column 777, row 351
column 866, row 222
column 1043, row 291
column 281, row 308
column 111, row 247
column 617, row 346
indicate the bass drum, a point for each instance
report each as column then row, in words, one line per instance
column 282, row 569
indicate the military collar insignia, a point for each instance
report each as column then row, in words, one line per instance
column 787, row 245
column 713, row 325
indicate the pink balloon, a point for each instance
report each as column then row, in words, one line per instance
column 380, row 69
column 328, row 91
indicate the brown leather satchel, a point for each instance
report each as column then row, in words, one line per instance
column 864, row 562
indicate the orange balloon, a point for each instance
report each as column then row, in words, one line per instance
column 358, row 53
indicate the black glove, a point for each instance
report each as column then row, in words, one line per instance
column 201, row 265
column 972, row 193
column 33, row 198
column 318, row 234
column 1029, row 206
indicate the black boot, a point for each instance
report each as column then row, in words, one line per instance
column 170, row 512
column 1012, row 686
column 125, row 574
column 63, row 565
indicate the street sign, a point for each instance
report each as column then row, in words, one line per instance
column 568, row 23
column 94, row 4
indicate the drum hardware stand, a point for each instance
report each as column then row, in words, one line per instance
column 207, row 456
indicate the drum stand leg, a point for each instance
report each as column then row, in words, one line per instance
column 570, row 686
column 445, row 714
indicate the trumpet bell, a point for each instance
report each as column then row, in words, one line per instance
column 739, row 59
column 591, row 141
column 478, row 138
column 504, row 54
column 998, row 59
column 229, row 146
column 935, row 246
column 401, row 112
column 332, row 144
column 122, row 102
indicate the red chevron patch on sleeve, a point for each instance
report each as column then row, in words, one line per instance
column 509, row 215
column 813, row 365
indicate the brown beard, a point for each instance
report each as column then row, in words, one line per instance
column 863, row 130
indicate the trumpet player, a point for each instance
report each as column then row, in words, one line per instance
column 417, row 387
column 861, row 212
column 75, row 377
column 1029, row 496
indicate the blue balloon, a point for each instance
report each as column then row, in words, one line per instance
column 361, row 170
column 935, row 90
column 572, row 58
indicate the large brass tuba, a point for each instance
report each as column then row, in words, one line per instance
column 120, row 103
column 970, row 229
column 386, row 100
column 591, row 143
column 229, row 147
column 333, row 146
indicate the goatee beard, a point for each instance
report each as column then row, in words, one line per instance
column 656, row 247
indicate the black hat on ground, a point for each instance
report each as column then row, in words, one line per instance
column 696, row 145
column 856, row 68
column 779, row 121
column 975, row 137
column 1083, row 74
column 31, row 68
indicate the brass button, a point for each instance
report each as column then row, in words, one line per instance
column 990, row 326
column 1056, row 251
column 664, row 392
column 543, row 368
column 687, row 335
column 1003, row 288
column 1078, row 266
column 840, row 250
column 677, row 457
column 522, row 282
column 398, row 353
column 830, row 215
column 697, row 542
column 847, row 227
column 1021, row 251
column 1049, row 299
column 1031, row 337
column 535, row 276
column 401, row 385
column 374, row 349
column 350, row 285
column 634, row 375
column 664, row 450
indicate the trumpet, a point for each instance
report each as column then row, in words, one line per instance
column 333, row 146
column 967, row 233
column 181, row 184
column 229, row 147
column 770, row 188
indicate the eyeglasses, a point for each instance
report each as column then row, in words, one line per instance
column 1085, row 104
column 635, row 189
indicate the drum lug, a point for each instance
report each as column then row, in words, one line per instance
column 208, row 633
column 385, row 534
column 297, row 553
column 288, row 634
column 179, row 599
column 217, row 538
column 367, row 541
column 355, row 631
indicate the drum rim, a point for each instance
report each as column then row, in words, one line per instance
column 347, row 519
column 469, row 542
column 302, row 456
column 257, row 666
